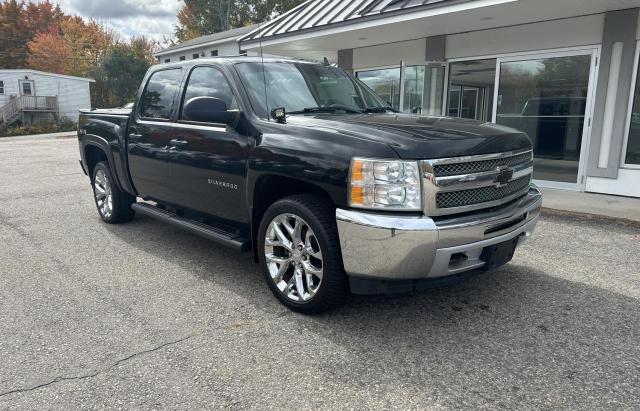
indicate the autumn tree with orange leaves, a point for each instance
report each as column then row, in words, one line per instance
column 40, row 36
column 48, row 51
column 74, row 47
column 20, row 22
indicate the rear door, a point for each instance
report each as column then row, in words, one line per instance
column 150, row 132
column 207, row 163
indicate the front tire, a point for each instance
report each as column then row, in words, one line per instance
column 300, row 254
column 114, row 205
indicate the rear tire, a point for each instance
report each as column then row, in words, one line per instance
column 300, row 255
column 114, row 205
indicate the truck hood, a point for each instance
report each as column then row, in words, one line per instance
column 420, row 137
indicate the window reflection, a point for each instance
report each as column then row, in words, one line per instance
column 632, row 156
column 546, row 98
column 385, row 82
column 471, row 89
column 158, row 96
column 423, row 89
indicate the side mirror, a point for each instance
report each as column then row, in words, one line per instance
column 208, row 110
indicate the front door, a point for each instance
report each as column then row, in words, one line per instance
column 207, row 164
column 149, row 134
column 27, row 87
column 548, row 96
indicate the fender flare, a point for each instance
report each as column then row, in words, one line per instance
column 103, row 145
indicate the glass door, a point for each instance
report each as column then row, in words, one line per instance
column 423, row 89
column 549, row 98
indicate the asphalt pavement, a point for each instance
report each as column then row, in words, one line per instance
column 143, row 315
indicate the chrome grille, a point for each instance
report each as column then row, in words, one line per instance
column 462, row 184
column 454, row 169
column 481, row 195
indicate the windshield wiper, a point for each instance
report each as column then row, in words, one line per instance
column 379, row 110
column 328, row 109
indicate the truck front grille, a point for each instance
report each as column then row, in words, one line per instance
column 462, row 198
column 458, row 185
column 455, row 169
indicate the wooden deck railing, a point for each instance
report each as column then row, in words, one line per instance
column 44, row 103
column 27, row 103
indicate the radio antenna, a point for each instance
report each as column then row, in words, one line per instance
column 264, row 75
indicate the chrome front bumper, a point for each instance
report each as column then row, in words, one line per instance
column 396, row 247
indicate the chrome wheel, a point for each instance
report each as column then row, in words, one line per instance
column 104, row 196
column 293, row 257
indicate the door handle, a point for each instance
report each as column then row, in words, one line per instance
column 133, row 136
column 178, row 143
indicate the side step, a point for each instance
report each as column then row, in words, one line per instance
column 231, row 240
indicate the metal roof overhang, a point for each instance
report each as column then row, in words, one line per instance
column 447, row 18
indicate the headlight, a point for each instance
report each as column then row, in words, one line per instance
column 385, row 184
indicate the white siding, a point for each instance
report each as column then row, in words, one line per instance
column 411, row 51
column 73, row 94
column 579, row 31
column 229, row 48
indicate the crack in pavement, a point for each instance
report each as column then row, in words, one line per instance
column 99, row 371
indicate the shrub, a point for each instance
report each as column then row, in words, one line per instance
column 43, row 127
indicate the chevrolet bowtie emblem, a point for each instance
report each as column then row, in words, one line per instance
column 504, row 176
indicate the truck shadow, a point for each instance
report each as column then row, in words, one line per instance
column 509, row 332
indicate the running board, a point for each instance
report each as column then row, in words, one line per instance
column 231, row 240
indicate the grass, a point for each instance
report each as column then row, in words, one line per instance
column 43, row 127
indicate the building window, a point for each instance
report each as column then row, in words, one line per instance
column 471, row 89
column 167, row 60
column 214, row 53
column 26, row 87
column 632, row 153
column 385, row 82
column 1, row 87
column 196, row 56
column 182, row 58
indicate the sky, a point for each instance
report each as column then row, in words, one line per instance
column 151, row 18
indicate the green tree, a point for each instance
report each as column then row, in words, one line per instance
column 201, row 17
column 119, row 75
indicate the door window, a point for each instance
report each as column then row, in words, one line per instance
column 158, row 96
column 26, row 88
column 209, row 82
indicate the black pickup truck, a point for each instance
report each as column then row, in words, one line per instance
column 307, row 168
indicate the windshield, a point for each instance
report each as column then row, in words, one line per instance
column 300, row 88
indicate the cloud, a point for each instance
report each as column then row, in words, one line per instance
column 151, row 18
column 116, row 9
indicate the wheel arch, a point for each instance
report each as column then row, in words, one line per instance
column 270, row 188
column 96, row 149
column 93, row 154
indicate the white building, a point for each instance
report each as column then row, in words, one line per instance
column 564, row 71
column 30, row 96
column 218, row 44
